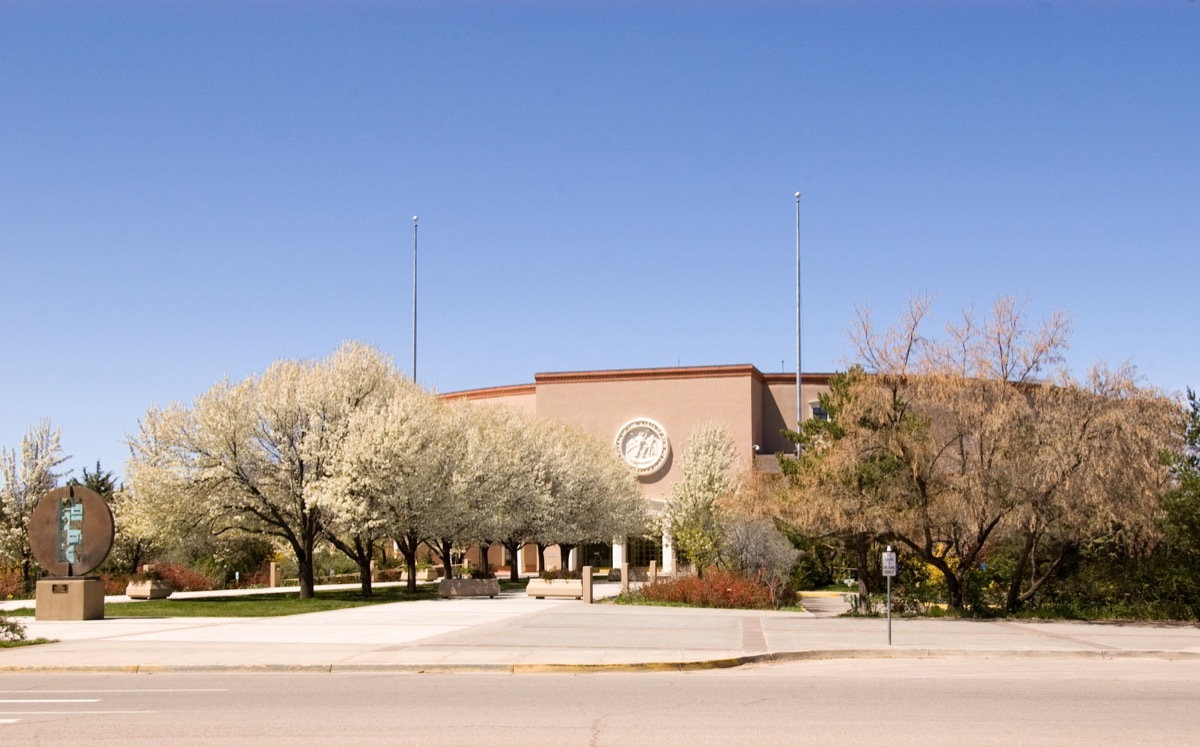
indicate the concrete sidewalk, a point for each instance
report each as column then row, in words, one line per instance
column 513, row 633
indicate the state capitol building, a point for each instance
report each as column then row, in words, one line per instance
column 648, row 415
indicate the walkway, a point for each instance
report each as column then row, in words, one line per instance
column 513, row 633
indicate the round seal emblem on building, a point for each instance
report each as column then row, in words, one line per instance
column 643, row 445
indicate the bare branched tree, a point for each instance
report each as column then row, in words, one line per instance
column 949, row 445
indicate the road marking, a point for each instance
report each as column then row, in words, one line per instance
column 73, row 712
column 9, row 720
column 49, row 700
column 106, row 691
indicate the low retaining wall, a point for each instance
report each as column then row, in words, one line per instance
column 450, row 588
column 559, row 588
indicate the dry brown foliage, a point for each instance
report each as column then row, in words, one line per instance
column 950, row 445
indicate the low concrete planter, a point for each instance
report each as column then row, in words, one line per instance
column 450, row 588
column 148, row 590
column 562, row 588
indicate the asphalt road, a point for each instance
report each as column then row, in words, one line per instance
column 895, row 702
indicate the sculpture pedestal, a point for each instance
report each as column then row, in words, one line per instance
column 70, row 599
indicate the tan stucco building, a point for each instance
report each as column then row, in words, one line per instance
column 648, row 415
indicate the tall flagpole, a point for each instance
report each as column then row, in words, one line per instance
column 799, row 391
column 414, row 335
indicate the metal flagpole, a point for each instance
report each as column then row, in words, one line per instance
column 799, row 389
column 414, row 335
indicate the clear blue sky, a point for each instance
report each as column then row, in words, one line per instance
column 190, row 190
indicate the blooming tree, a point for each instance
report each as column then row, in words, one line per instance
column 394, row 471
column 590, row 494
column 27, row 476
column 500, row 478
column 690, row 516
column 246, row 456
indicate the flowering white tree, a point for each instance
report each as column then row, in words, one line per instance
column 137, row 536
column 26, row 476
column 690, row 515
column 451, row 521
column 245, row 457
column 500, row 480
column 590, row 494
column 394, row 471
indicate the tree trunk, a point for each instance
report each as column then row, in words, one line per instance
column 308, row 584
column 1013, row 601
column 445, row 548
column 1037, row 583
column 360, row 552
column 954, row 587
column 304, row 564
column 410, row 566
column 136, row 558
column 484, row 549
column 514, row 566
column 364, row 567
column 954, row 581
column 541, row 558
column 409, row 544
column 862, row 561
column 28, row 578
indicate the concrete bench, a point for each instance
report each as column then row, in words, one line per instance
column 557, row 588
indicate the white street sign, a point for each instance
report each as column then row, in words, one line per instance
column 889, row 563
column 889, row 572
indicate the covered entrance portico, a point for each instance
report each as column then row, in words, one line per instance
column 639, row 552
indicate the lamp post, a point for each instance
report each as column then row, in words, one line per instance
column 414, row 335
column 799, row 391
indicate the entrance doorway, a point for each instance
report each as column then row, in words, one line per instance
column 641, row 550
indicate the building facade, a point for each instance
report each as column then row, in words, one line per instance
column 648, row 415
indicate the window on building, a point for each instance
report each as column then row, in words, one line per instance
column 641, row 550
column 818, row 412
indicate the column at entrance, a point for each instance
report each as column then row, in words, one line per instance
column 668, row 554
column 618, row 552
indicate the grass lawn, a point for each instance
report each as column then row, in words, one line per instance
column 30, row 642
column 266, row 605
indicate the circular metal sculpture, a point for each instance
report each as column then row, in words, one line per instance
column 644, row 446
column 71, row 531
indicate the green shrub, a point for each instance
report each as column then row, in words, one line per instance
column 810, row 573
column 11, row 630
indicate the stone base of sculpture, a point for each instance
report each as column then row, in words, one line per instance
column 70, row 599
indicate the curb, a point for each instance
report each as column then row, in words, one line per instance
column 633, row 667
column 969, row 653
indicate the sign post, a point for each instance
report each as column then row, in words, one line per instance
column 889, row 572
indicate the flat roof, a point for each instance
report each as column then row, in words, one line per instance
column 638, row 374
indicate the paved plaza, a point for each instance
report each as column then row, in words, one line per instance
column 515, row 633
